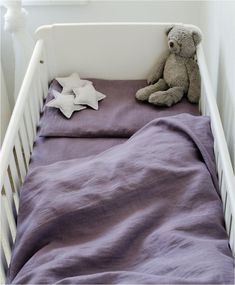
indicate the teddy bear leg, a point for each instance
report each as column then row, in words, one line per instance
column 168, row 97
column 194, row 93
column 144, row 93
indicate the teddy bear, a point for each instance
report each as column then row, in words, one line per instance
column 176, row 72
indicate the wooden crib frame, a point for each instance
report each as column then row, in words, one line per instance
column 99, row 51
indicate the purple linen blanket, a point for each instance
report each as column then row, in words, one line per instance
column 50, row 150
column 145, row 211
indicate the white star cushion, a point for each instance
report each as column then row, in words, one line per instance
column 87, row 95
column 65, row 102
column 70, row 82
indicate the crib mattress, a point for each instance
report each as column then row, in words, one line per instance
column 119, row 114
column 144, row 211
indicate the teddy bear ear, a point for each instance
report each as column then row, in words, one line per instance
column 168, row 29
column 197, row 37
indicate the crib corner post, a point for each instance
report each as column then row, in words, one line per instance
column 23, row 43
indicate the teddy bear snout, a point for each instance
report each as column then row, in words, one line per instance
column 173, row 46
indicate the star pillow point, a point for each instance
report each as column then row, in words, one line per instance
column 70, row 82
column 100, row 96
column 65, row 102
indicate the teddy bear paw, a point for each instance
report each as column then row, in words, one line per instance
column 194, row 98
column 142, row 95
column 161, row 99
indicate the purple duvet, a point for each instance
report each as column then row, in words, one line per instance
column 145, row 211
column 51, row 150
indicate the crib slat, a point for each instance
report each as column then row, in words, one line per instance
column 37, row 97
column 202, row 100
column 20, row 159
column 228, row 215
column 216, row 152
column 39, row 89
column 229, row 118
column 232, row 236
column 200, row 105
column 24, row 143
column 36, row 102
column 6, row 235
column 223, row 192
column 14, row 173
column 226, row 114
column 3, row 267
column 15, row 181
column 44, row 77
column 29, row 127
column 205, row 112
column 203, row 105
column 220, row 178
column 8, row 189
column 33, row 111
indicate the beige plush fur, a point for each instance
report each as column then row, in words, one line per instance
column 176, row 72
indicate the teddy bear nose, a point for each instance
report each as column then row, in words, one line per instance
column 171, row 44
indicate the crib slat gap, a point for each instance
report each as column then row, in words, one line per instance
column 16, row 177
column 19, row 159
column 25, row 145
column 29, row 127
column 14, row 190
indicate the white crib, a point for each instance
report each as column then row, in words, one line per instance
column 104, row 50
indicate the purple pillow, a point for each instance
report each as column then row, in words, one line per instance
column 119, row 114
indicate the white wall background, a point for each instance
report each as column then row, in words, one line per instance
column 215, row 18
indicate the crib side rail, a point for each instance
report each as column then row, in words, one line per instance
column 208, row 106
column 17, row 147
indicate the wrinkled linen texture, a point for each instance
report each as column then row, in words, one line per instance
column 50, row 150
column 144, row 211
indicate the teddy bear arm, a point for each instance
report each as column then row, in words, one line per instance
column 157, row 72
column 194, row 82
